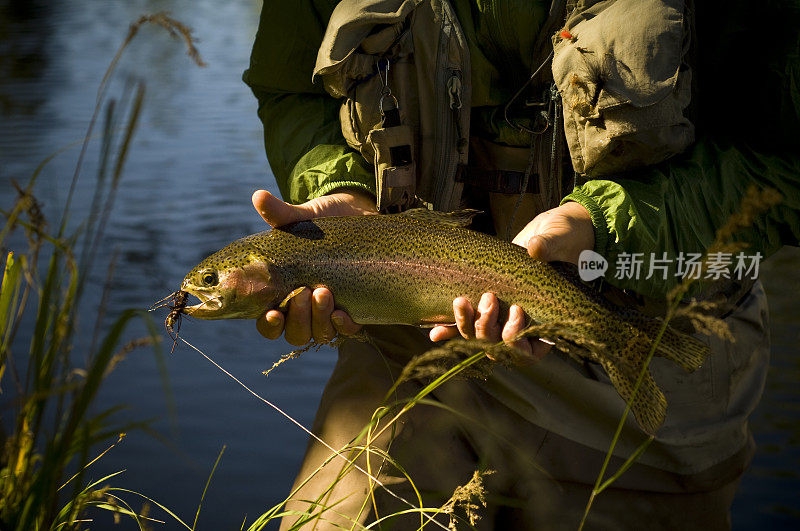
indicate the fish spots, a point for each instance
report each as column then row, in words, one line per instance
column 400, row 270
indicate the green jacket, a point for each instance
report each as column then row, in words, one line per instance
column 746, row 109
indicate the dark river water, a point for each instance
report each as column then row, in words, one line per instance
column 194, row 162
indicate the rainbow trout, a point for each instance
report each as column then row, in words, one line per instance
column 407, row 269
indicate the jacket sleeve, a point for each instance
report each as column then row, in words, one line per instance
column 746, row 101
column 677, row 208
column 302, row 136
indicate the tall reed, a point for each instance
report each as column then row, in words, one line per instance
column 57, row 421
column 55, row 426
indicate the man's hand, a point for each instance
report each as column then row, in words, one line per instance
column 559, row 234
column 311, row 314
column 278, row 213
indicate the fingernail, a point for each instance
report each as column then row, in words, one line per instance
column 338, row 320
column 272, row 320
column 301, row 301
column 321, row 301
column 483, row 304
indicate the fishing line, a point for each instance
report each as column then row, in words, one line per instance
column 318, row 439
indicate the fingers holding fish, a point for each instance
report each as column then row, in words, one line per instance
column 270, row 325
column 443, row 332
column 558, row 234
column 516, row 323
column 278, row 213
column 344, row 324
column 321, row 309
column 298, row 319
column 274, row 211
column 310, row 315
column 470, row 324
column 464, row 314
column 487, row 324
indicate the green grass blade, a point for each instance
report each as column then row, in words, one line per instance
column 205, row 489
column 126, row 511
column 162, row 507
column 9, row 293
column 626, row 465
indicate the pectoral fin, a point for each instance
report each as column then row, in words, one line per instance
column 284, row 304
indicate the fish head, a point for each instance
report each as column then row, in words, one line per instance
column 233, row 283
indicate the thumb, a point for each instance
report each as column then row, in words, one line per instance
column 560, row 234
column 276, row 212
column 544, row 247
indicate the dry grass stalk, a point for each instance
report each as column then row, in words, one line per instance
column 754, row 203
column 162, row 19
column 569, row 330
column 316, row 345
column 700, row 316
column 292, row 355
column 28, row 202
column 175, row 28
column 296, row 353
column 127, row 348
column 439, row 360
column 469, row 498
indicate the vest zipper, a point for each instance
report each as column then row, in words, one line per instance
column 451, row 142
column 454, row 91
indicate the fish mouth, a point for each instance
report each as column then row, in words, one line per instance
column 208, row 305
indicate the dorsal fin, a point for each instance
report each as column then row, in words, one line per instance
column 459, row 218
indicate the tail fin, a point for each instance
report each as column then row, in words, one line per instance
column 650, row 406
column 623, row 353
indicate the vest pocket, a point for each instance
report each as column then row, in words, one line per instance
column 395, row 172
column 411, row 55
column 619, row 67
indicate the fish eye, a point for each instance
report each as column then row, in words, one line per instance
column 209, row 278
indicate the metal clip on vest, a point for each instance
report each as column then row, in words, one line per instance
column 395, row 172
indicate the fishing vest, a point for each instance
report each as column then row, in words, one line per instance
column 620, row 101
column 402, row 70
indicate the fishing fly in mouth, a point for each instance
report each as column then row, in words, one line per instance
column 176, row 302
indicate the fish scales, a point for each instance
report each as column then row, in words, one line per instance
column 428, row 265
column 407, row 269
